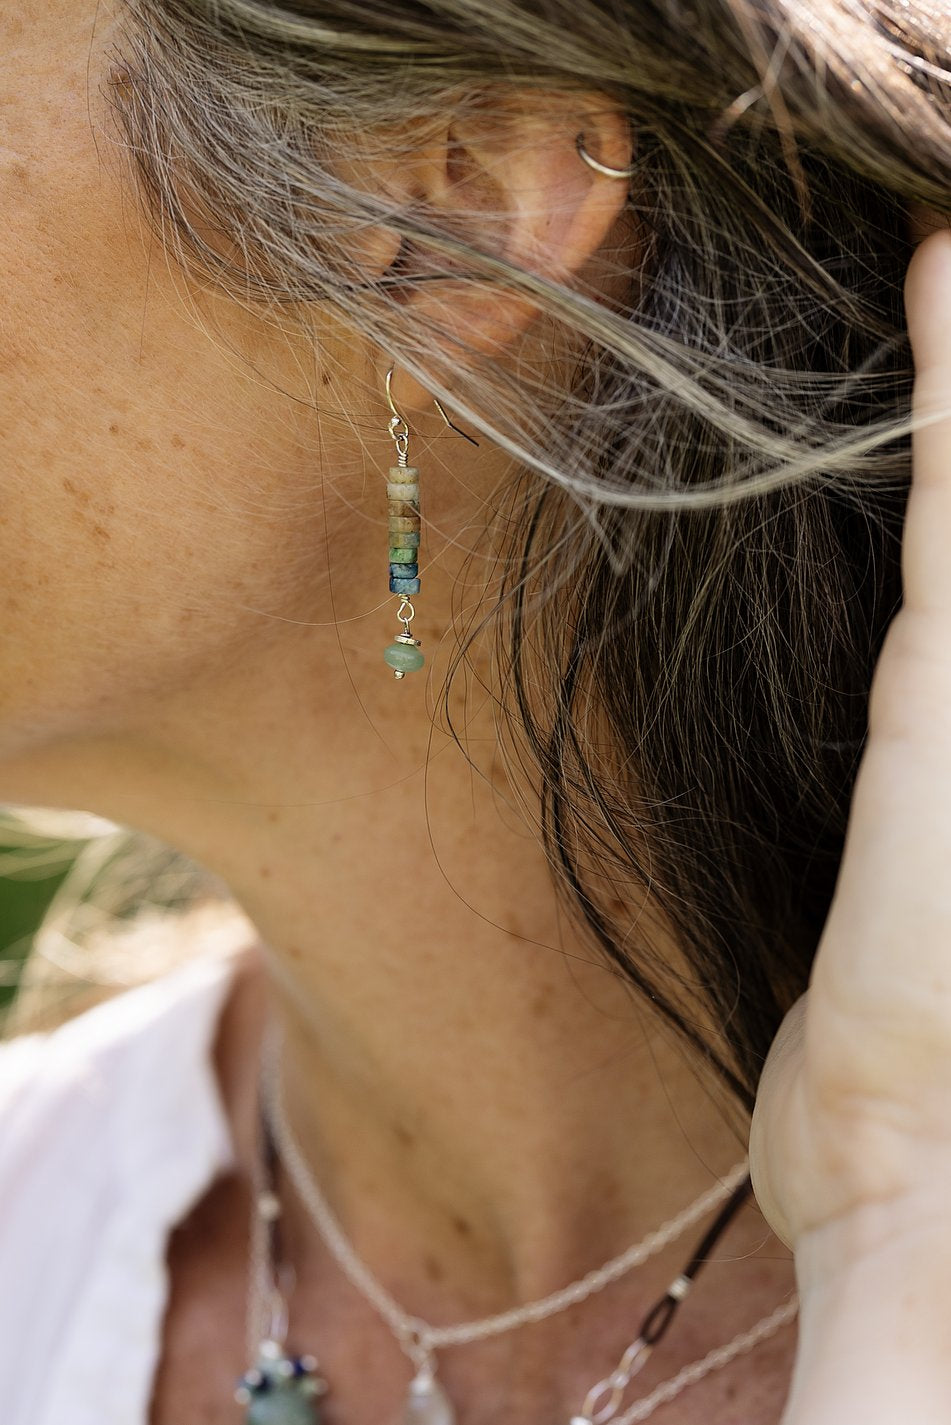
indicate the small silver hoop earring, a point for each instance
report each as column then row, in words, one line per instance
column 601, row 167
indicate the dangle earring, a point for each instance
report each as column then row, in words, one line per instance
column 402, row 494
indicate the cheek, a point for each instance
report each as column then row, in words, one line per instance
column 139, row 519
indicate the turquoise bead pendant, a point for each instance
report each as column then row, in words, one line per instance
column 281, row 1389
column 403, row 655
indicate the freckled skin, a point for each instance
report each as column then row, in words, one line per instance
column 82, row 497
column 124, row 418
column 540, row 1005
column 432, row 1268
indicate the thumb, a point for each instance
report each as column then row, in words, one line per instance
column 777, row 1082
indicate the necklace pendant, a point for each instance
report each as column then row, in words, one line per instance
column 281, row 1389
column 427, row 1402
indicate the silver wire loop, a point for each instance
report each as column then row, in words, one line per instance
column 597, row 165
column 401, row 437
column 614, row 1385
column 414, row 1338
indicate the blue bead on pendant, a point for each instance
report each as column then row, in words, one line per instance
column 281, row 1389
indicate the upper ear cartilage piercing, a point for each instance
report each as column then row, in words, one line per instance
column 597, row 165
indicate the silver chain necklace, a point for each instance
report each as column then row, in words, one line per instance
column 287, row 1389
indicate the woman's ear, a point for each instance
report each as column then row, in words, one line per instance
column 510, row 179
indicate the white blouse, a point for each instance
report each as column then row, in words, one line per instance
column 111, row 1129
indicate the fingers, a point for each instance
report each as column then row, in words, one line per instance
column 927, row 539
column 885, row 954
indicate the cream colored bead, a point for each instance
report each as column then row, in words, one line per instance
column 395, row 491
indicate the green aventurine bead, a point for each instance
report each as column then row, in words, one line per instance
column 283, row 1406
column 404, row 657
column 402, row 556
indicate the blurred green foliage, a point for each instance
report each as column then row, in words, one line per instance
column 23, row 903
column 115, row 876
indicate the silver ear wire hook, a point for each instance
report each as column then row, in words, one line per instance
column 399, row 420
column 449, row 423
column 401, row 437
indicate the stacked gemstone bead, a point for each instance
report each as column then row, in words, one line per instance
column 402, row 494
column 282, row 1389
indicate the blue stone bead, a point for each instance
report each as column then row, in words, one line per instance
column 403, row 586
column 404, row 571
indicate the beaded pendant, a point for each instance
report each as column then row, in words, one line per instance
column 402, row 494
column 281, row 1389
column 402, row 491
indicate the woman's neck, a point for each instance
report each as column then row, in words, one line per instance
column 459, row 1063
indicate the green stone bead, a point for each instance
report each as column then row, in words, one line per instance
column 404, row 657
column 283, row 1407
column 402, row 556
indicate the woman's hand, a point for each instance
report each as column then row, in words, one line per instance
column 851, row 1143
